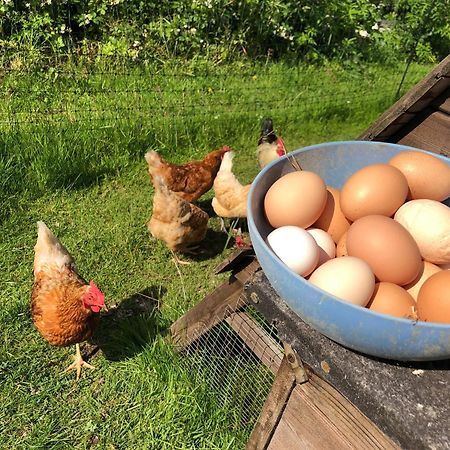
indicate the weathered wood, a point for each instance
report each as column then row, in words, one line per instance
column 241, row 256
column 431, row 131
column 409, row 402
column 209, row 312
column 217, row 305
column 273, row 408
column 436, row 81
column 257, row 340
column 319, row 417
column 443, row 102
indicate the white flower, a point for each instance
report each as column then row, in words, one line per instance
column 28, row 5
column 193, row 30
column 375, row 27
column 363, row 33
column 7, row 2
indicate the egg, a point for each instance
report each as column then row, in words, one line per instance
column 428, row 221
column 376, row 189
column 296, row 248
column 387, row 247
column 389, row 298
column 297, row 198
column 347, row 278
column 332, row 220
column 327, row 247
column 433, row 302
column 425, row 272
column 419, row 169
column 341, row 248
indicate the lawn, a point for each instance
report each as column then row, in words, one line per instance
column 72, row 142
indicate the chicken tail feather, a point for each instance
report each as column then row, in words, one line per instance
column 49, row 250
column 267, row 133
column 227, row 162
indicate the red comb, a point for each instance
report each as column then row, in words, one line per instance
column 225, row 148
column 97, row 293
column 281, row 149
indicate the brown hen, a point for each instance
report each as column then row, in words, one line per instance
column 64, row 307
column 175, row 221
column 191, row 180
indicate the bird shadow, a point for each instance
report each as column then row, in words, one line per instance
column 215, row 242
column 127, row 328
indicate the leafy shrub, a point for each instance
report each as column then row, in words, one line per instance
column 222, row 29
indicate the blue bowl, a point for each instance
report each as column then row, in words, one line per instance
column 353, row 326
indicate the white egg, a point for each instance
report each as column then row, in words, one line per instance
column 327, row 247
column 347, row 277
column 428, row 221
column 296, row 248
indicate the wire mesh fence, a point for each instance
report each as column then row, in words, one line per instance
column 237, row 359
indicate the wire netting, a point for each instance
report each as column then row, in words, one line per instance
column 237, row 359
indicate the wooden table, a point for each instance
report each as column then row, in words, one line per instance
column 324, row 396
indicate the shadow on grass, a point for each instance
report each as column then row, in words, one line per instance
column 126, row 329
column 213, row 245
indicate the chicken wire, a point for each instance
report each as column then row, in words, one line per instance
column 237, row 359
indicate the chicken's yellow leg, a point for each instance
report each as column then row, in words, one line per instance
column 78, row 363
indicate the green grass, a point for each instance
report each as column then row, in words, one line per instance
column 79, row 167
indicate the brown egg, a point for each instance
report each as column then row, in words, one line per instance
column 433, row 302
column 332, row 219
column 387, row 247
column 375, row 189
column 341, row 248
column 297, row 198
column 419, row 169
column 389, row 298
column 425, row 272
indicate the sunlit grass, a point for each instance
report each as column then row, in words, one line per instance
column 78, row 165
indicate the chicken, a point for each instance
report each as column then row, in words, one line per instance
column 64, row 307
column 270, row 147
column 191, row 180
column 230, row 196
column 175, row 221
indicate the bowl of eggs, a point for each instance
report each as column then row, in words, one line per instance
column 355, row 237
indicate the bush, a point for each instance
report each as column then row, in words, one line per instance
column 222, row 29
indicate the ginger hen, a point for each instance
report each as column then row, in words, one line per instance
column 270, row 147
column 177, row 222
column 230, row 196
column 64, row 307
column 191, row 180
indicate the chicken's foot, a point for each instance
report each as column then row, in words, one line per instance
column 78, row 363
column 177, row 260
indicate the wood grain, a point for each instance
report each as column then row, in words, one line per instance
column 430, row 132
column 273, row 408
column 425, row 91
column 319, row 417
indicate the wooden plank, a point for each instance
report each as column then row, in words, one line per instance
column 208, row 313
column 273, row 408
column 319, row 417
column 431, row 81
column 429, row 132
column 443, row 102
column 257, row 340
column 214, row 308
column 240, row 256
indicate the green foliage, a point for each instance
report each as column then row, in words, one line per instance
column 221, row 29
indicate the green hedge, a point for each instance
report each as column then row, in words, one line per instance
column 309, row 30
